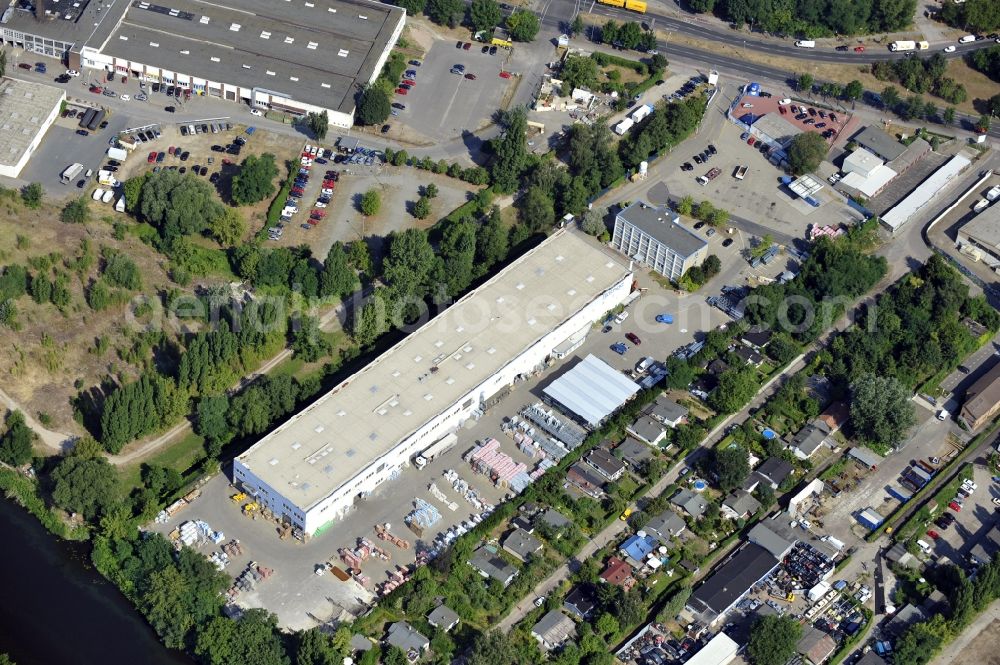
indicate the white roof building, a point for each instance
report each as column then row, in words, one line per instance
column 592, row 390
column 364, row 430
column 27, row 110
column 720, row 650
column 862, row 162
column 924, row 194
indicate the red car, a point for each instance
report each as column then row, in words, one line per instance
column 466, row 46
column 859, row 49
column 632, row 337
column 401, row 91
column 151, row 157
column 505, row 75
column 954, row 506
column 96, row 89
column 471, row 77
column 933, row 535
column 409, row 82
column 751, row 141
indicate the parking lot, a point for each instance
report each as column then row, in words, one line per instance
column 977, row 516
column 443, row 105
column 301, row 599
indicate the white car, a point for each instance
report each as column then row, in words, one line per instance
column 314, row 150
column 256, row 112
column 320, row 204
column 125, row 98
column 949, row 49
column 327, row 192
column 72, row 72
column 748, row 106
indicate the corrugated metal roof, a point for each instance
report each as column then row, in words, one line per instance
column 924, row 193
column 592, row 390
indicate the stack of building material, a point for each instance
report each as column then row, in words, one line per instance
column 189, row 534
column 563, row 430
column 424, row 515
column 488, row 459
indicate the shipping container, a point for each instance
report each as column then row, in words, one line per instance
column 96, row 120
column 87, row 117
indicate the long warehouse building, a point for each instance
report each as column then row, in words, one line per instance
column 361, row 433
column 295, row 56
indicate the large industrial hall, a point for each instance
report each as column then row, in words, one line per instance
column 366, row 429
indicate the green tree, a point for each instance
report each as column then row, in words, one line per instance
column 484, row 15
column 255, row 180
column 854, row 90
column 372, row 319
column 177, row 204
column 359, row 256
column 578, row 72
column 804, row 83
column 422, row 208
column 31, row 195
column 228, row 228
column 15, row 445
column 805, row 152
column 88, row 486
column 881, row 411
column 315, row 647
column 576, row 27
column 318, row 124
column 371, row 202
column 537, row 209
column 510, row 151
column 523, row 25
column 592, row 222
column 338, row 278
column 983, row 124
column 98, row 296
column 890, row 97
column 490, row 648
column 773, row 639
column 374, row 106
column 120, row 270
column 607, row 624
column 255, row 638
column 609, row 32
column 308, row 342
column 732, row 465
column 76, row 211
column 133, row 190
column 491, row 243
column 212, row 422
column 164, row 605
column 701, row 6
column 445, row 12
column 949, row 115
column 736, row 388
column 409, row 262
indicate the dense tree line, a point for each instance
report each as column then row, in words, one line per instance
column 974, row 15
column 835, row 274
column 667, row 126
column 143, row 406
column 255, row 180
column 986, row 60
column 922, row 75
column 295, row 269
column 813, row 18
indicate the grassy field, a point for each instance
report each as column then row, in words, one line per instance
column 179, row 456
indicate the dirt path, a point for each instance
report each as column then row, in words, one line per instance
column 57, row 441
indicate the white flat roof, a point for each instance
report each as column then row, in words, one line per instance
column 861, row 160
column 24, row 106
column 805, row 185
column 873, row 183
column 720, row 650
column 592, row 390
column 924, row 193
column 340, row 434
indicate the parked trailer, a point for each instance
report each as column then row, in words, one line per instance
column 117, row 153
column 438, row 448
column 907, row 45
column 96, row 120
column 70, row 173
column 87, row 117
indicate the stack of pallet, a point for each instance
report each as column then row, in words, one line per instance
column 487, row 459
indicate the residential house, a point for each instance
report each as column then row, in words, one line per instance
column 443, row 617
column 666, row 411
column 554, row 519
column 553, row 629
column 405, row 637
column 982, row 399
column 491, row 566
column 521, row 545
column 717, row 366
column 359, row 644
column 619, row 573
column 771, row 472
column 586, row 480
column 690, row 502
column 740, row 504
column 647, row 429
column 634, row 452
column 522, row 521
column 636, row 548
column 749, row 356
column 580, row 601
column 809, row 439
column 605, row 464
column 815, row 645
column 835, row 416
column 987, row 547
column 871, row 658
column 756, row 338
column 665, row 526
column 905, row 617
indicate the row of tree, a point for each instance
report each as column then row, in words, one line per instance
column 813, row 18
column 971, row 15
column 522, row 25
column 922, row 75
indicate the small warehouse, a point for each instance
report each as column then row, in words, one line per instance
column 591, row 391
column 870, row 519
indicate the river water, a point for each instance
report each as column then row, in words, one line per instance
column 55, row 609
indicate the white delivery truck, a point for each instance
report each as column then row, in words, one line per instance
column 436, row 449
column 805, row 43
column 70, row 173
column 908, row 46
column 117, row 153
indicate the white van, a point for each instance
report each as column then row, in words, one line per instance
column 621, row 317
column 967, row 39
column 924, row 546
column 644, row 364
column 808, row 43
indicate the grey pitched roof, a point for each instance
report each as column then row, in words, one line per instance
column 727, row 584
column 905, row 617
column 742, row 502
column 694, row 504
column 555, row 627
column 605, row 463
column 659, row 224
column 360, row 643
column 580, row 601
column 881, row 143
column 442, row 616
column 666, row 524
column 647, row 429
column 665, row 409
column 815, row 645
column 521, row 544
column 748, row 355
column 406, row 637
column 811, row 437
column 492, row 565
column 775, row 469
column 757, row 338
column 554, row 518
column 634, row 451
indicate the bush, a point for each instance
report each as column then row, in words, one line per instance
column 32, row 194
column 371, row 202
column 76, row 211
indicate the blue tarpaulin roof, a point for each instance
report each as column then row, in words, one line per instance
column 638, row 548
column 749, row 118
column 753, row 89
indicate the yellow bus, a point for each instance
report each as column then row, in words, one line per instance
column 633, row 5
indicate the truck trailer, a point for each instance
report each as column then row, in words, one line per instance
column 436, row 449
column 70, row 173
column 906, row 45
